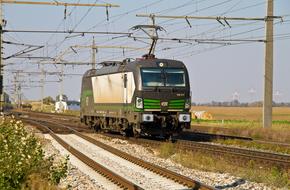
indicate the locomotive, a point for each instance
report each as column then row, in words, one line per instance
column 145, row 97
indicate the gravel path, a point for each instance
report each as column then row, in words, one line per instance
column 132, row 172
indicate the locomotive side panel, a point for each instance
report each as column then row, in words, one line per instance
column 113, row 88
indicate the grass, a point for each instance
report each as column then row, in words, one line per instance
column 36, row 181
column 255, row 145
column 166, row 150
column 72, row 113
column 250, row 171
column 36, row 106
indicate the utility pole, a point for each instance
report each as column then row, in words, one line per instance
column 268, row 73
column 15, row 84
column 60, row 97
column 19, row 96
column 42, row 86
column 1, row 61
column 15, row 89
column 94, row 51
column 18, row 89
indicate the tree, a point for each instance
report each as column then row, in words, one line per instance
column 48, row 100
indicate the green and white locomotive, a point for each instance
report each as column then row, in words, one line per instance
column 147, row 97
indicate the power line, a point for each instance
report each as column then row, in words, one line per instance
column 208, row 7
column 206, row 17
column 52, row 35
column 202, row 39
column 119, row 16
column 83, row 17
column 64, row 32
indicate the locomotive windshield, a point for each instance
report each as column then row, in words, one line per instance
column 170, row 77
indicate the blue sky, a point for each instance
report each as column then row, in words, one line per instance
column 217, row 71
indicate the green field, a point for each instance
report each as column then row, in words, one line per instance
column 245, row 121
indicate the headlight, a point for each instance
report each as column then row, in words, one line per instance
column 147, row 117
column 187, row 104
column 184, row 118
column 139, row 103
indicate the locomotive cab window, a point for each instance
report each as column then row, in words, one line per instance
column 175, row 77
column 171, row 77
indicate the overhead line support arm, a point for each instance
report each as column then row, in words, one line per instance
column 56, row 3
column 208, row 17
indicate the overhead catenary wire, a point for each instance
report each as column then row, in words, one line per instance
column 228, row 11
column 65, row 32
column 53, row 3
column 216, row 5
column 108, row 41
column 251, row 6
column 197, row 1
column 76, row 25
column 118, row 17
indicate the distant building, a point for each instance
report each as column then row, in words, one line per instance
column 60, row 106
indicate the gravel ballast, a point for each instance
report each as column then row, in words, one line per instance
column 126, row 169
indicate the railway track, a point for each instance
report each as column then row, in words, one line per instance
column 238, row 154
column 199, row 133
column 272, row 159
column 176, row 178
